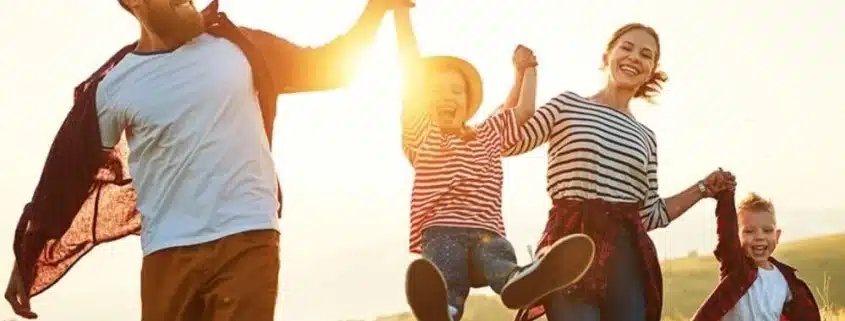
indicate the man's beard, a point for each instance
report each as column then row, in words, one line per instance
column 175, row 27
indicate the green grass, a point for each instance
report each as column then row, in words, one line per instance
column 687, row 282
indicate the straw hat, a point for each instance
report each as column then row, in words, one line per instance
column 471, row 75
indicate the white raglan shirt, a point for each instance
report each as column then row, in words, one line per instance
column 199, row 157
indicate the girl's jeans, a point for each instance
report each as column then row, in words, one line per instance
column 449, row 248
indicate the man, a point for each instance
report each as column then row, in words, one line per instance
column 195, row 97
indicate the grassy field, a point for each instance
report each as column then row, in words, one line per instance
column 687, row 282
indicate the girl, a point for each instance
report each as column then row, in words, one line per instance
column 456, row 217
column 602, row 178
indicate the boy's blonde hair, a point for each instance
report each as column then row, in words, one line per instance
column 756, row 203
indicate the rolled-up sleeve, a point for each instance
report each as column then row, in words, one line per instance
column 654, row 213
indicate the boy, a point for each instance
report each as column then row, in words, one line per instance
column 456, row 221
column 754, row 286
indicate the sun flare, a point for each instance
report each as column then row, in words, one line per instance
column 378, row 69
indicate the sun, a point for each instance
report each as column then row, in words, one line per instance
column 378, row 69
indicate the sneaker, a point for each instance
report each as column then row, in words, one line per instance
column 565, row 262
column 426, row 291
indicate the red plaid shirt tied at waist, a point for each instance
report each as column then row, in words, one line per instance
column 603, row 221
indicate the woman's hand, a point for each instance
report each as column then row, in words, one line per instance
column 717, row 182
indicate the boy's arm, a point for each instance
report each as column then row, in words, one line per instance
column 331, row 66
column 728, row 251
column 415, row 121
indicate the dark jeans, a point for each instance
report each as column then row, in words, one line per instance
column 452, row 248
column 625, row 300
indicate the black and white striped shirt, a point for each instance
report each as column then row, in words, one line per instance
column 596, row 152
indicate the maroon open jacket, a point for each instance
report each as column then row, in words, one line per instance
column 84, row 199
column 738, row 272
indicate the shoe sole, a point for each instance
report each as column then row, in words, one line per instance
column 564, row 264
column 425, row 290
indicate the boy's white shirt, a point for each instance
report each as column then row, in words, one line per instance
column 764, row 300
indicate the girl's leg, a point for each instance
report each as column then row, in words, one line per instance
column 563, row 308
column 563, row 263
column 625, row 289
column 495, row 256
column 446, row 247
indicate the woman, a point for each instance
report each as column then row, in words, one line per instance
column 602, row 177
column 456, row 221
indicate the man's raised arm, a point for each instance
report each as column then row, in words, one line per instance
column 330, row 66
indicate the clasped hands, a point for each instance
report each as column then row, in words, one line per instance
column 718, row 181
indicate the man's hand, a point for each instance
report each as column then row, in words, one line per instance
column 18, row 296
column 523, row 58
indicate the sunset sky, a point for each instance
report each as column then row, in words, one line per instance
column 754, row 88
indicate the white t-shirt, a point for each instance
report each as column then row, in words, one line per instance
column 199, row 157
column 764, row 300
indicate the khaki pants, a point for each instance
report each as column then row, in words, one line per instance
column 231, row 279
